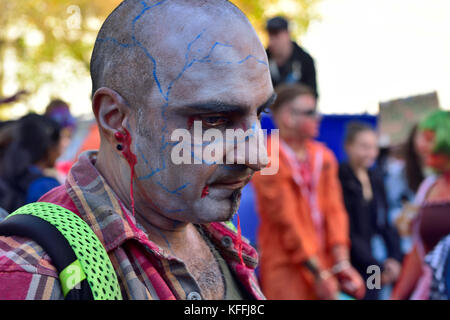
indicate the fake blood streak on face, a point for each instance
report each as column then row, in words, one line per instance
column 205, row 191
column 130, row 157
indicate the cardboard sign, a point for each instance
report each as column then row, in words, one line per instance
column 397, row 117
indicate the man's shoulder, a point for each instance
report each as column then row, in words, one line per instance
column 60, row 197
column 26, row 271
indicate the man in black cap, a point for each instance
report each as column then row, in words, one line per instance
column 289, row 63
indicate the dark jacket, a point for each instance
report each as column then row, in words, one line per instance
column 299, row 68
column 367, row 218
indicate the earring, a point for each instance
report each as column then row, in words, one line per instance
column 119, row 137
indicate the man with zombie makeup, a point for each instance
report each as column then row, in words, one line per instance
column 303, row 236
column 158, row 66
column 433, row 221
column 289, row 63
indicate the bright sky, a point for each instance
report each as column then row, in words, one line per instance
column 366, row 51
column 370, row 51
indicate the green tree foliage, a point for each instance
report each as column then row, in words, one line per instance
column 39, row 33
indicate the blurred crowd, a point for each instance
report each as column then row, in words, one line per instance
column 374, row 227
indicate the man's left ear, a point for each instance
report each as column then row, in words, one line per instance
column 111, row 112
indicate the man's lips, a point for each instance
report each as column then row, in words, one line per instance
column 231, row 184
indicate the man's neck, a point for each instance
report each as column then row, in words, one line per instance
column 171, row 238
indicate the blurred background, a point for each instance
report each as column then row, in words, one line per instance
column 366, row 52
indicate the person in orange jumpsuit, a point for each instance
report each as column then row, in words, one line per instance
column 304, row 234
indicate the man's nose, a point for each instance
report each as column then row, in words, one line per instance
column 249, row 149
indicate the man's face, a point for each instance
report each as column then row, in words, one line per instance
column 218, row 76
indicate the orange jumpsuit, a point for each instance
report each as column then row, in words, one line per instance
column 288, row 234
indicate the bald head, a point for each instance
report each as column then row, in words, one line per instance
column 172, row 62
column 143, row 46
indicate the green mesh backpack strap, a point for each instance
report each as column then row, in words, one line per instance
column 75, row 250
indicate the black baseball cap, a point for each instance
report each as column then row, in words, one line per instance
column 277, row 24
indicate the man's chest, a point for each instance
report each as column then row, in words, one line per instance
column 201, row 261
column 207, row 273
column 189, row 273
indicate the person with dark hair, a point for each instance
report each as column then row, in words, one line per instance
column 289, row 63
column 33, row 150
column 8, row 198
column 303, row 233
column 6, row 137
column 366, row 204
column 59, row 111
column 405, row 197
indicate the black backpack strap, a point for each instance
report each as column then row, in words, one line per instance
column 53, row 243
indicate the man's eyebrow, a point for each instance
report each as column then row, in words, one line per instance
column 215, row 107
